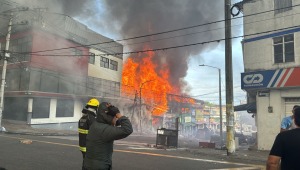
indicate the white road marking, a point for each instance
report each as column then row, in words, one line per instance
column 242, row 168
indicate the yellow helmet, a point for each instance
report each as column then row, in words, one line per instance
column 93, row 102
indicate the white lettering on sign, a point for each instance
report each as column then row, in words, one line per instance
column 160, row 132
column 253, row 78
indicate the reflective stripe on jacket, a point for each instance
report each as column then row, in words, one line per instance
column 83, row 131
column 82, row 149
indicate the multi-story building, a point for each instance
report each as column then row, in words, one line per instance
column 184, row 108
column 271, row 62
column 56, row 64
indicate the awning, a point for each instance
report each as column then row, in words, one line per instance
column 250, row 107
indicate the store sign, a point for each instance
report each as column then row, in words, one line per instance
column 199, row 115
column 271, row 78
column 160, row 132
column 187, row 119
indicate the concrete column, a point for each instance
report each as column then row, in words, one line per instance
column 29, row 110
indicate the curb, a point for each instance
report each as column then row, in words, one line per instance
column 37, row 134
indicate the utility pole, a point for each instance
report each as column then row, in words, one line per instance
column 141, row 103
column 134, row 106
column 6, row 55
column 141, row 108
column 229, row 82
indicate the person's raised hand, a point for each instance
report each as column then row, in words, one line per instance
column 112, row 110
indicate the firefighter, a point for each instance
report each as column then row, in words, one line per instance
column 89, row 116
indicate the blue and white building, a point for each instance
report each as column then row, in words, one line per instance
column 272, row 64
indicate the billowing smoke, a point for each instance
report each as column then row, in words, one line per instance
column 142, row 17
column 129, row 18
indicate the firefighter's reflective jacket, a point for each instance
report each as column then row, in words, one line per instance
column 84, row 124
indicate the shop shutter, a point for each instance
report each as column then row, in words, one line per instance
column 289, row 104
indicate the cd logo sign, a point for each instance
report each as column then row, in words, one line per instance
column 253, row 79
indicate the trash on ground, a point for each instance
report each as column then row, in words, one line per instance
column 26, row 141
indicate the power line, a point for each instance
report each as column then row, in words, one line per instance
column 162, row 49
column 164, row 32
column 55, row 27
column 161, row 38
column 212, row 92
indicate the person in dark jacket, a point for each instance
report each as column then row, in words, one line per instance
column 84, row 123
column 285, row 151
column 110, row 125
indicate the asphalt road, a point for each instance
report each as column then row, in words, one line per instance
column 25, row 152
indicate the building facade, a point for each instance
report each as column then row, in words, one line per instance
column 56, row 64
column 271, row 63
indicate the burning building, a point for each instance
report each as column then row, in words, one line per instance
column 184, row 108
column 153, row 94
column 56, row 64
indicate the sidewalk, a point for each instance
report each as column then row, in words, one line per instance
column 243, row 153
column 19, row 127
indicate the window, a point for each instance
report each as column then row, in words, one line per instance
column 13, row 112
column 23, row 44
column 40, row 108
column 64, row 108
column 24, row 81
column 113, row 65
column 284, row 49
column 106, row 86
column 2, row 45
column 90, row 86
column 104, row 62
column 80, row 86
column 49, row 81
column 92, row 58
column 66, row 84
column 115, row 89
column 13, row 79
column 282, row 6
column 97, row 87
column 110, row 88
column 35, row 79
column 76, row 52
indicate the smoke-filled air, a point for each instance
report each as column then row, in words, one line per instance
column 127, row 18
column 162, row 69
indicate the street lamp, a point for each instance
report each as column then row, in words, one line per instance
column 141, row 102
column 220, row 102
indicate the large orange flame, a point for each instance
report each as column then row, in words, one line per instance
column 141, row 77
